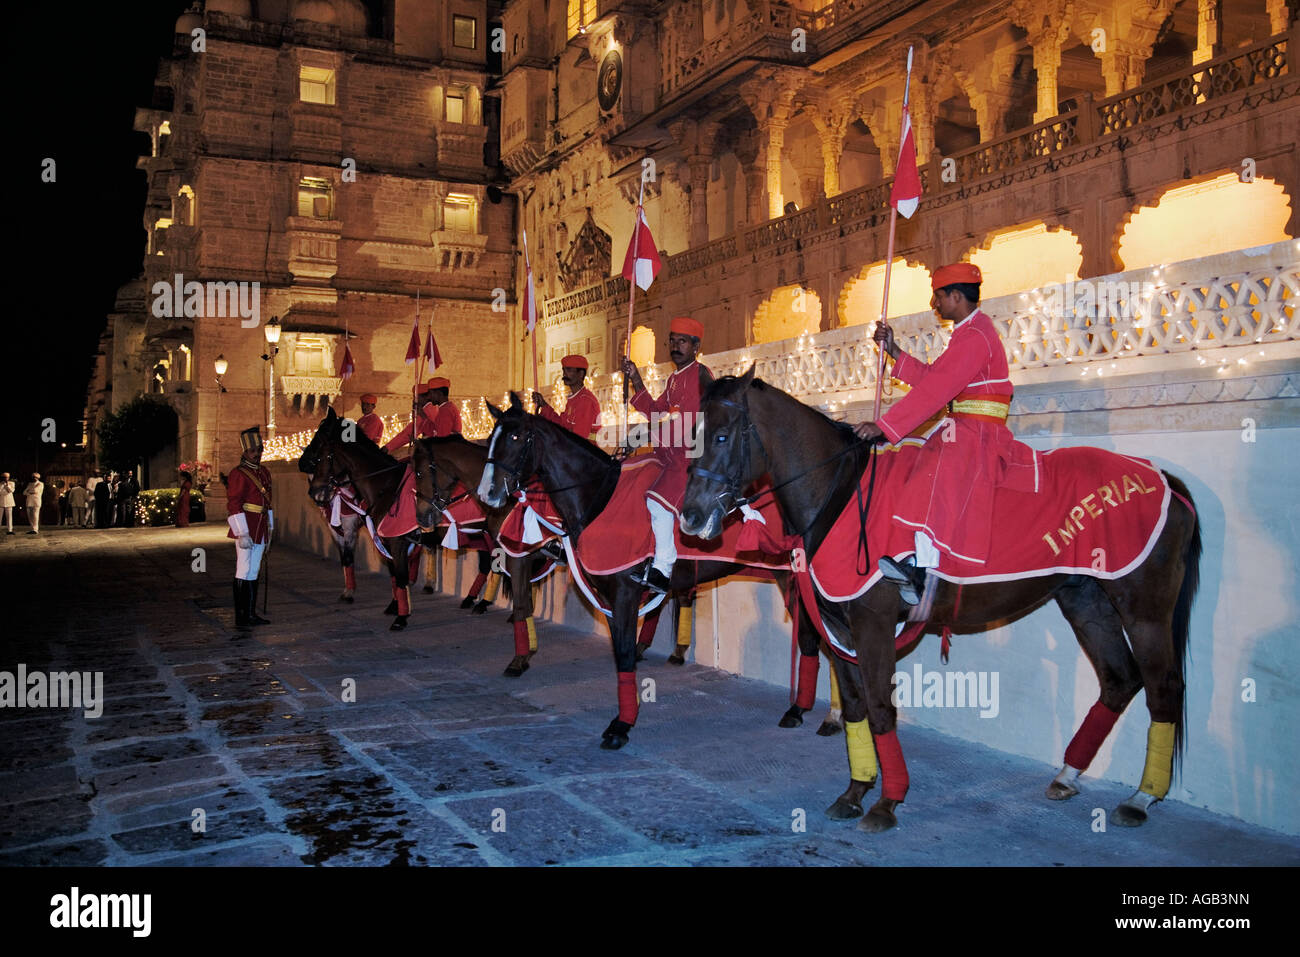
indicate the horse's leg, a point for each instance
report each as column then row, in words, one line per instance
column 872, row 618
column 685, row 622
column 622, row 630
column 1155, row 602
column 477, row 585
column 521, row 615
column 863, row 769
column 806, row 689
column 399, row 549
column 649, row 626
column 1100, row 632
column 391, row 609
column 833, row 723
column 493, row 584
column 347, row 558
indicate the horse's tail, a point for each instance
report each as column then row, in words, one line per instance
column 1183, row 612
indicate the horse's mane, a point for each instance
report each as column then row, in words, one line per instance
column 729, row 385
column 571, row 437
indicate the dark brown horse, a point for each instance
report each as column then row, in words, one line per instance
column 336, row 461
column 751, row 428
column 580, row 479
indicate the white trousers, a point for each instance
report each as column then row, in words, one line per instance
column 34, row 518
column 248, row 562
column 661, row 523
column 9, row 517
column 927, row 556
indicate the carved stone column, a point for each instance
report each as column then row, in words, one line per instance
column 1123, row 65
column 831, row 122
column 751, row 150
column 1209, row 30
column 699, row 180
column 1048, row 25
column 1279, row 17
column 769, row 94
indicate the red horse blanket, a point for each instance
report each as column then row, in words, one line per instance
column 400, row 518
column 1096, row 513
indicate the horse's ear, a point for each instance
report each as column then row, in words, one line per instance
column 494, row 411
column 331, row 415
column 514, row 401
column 748, row 377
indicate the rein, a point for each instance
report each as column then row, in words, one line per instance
column 612, row 467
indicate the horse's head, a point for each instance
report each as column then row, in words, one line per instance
column 512, row 456
column 731, row 456
column 318, row 461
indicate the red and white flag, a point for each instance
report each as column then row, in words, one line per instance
column 641, row 264
column 431, row 353
column 413, row 347
column 530, row 296
column 347, row 366
column 905, row 194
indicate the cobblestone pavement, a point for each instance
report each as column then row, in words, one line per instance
column 441, row 759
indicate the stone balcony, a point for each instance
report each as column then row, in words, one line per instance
column 316, row 132
column 460, row 145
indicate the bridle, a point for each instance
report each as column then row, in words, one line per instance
column 337, row 481
column 514, row 472
column 440, row 499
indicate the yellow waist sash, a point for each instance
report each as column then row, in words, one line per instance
column 250, row 507
column 991, row 407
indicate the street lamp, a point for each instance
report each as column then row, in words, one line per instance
column 221, row 366
column 272, row 330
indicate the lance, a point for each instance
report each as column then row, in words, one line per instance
column 631, row 297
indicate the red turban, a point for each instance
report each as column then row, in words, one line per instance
column 574, row 360
column 438, row 382
column 371, row 398
column 957, row 272
column 687, row 326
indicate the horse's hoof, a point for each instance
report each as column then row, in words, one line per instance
column 481, row 607
column 829, row 728
column 428, row 589
column 347, row 598
column 1056, row 791
column 468, row 602
column 792, row 718
column 392, row 608
column 880, row 817
column 1128, row 816
column 399, row 623
column 518, row 665
column 640, row 652
column 612, row 742
column 843, row 810
column 678, row 657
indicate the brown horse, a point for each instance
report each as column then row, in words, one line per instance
column 580, row 478
column 751, row 428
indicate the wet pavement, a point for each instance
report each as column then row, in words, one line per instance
column 219, row 749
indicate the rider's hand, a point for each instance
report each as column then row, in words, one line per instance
column 538, row 402
column 244, row 541
column 869, row 431
column 885, row 336
column 632, row 375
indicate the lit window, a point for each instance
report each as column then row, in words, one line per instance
column 458, row 213
column 316, row 85
column 309, row 355
column 315, row 198
column 456, row 106
column 464, row 32
column 582, row 14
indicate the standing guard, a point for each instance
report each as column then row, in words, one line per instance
column 680, row 400
column 581, row 414
column 248, row 502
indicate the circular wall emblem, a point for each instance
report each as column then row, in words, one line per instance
column 609, row 81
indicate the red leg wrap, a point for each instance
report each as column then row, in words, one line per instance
column 414, row 575
column 477, row 587
column 1088, row 739
column 521, row 637
column 350, row 578
column 892, row 767
column 807, row 696
column 628, row 699
column 403, row 601
column 648, row 629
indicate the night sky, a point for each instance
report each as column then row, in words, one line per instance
column 74, row 75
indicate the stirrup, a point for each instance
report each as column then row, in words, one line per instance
column 652, row 578
column 904, row 574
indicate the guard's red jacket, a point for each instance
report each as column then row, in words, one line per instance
column 581, row 414
column 680, row 398
column 248, row 493
column 372, row 427
column 949, row 492
column 436, row 422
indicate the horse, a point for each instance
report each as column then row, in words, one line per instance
column 348, row 532
column 338, row 461
column 580, row 478
column 752, row 428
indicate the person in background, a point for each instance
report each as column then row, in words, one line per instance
column 77, row 501
column 103, row 502
column 32, row 494
column 65, row 506
column 7, row 501
column 90, row 501
column 130, row 493
column 183, row 500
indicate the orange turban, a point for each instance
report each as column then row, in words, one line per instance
column 438, row 382
column 371, row 398
column 687, row 326
column 574, row 360
column 957, row 272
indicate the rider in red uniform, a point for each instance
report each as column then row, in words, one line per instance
column 371, row 425
column 581, row 414
column 439, row 417
column 947, row 499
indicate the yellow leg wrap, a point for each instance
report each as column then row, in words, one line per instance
column 685, row 625
column 835, row 691
column 493, row 586
column 532, row 634
column 1160, row 759
column 862, row 751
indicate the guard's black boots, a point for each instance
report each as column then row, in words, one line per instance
column 241, row 604
column 253, row 617
column 910, row 579
column 651, row 578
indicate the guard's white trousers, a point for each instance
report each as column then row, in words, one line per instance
column 661, row 523
column 927, row 556
column 248, row 562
